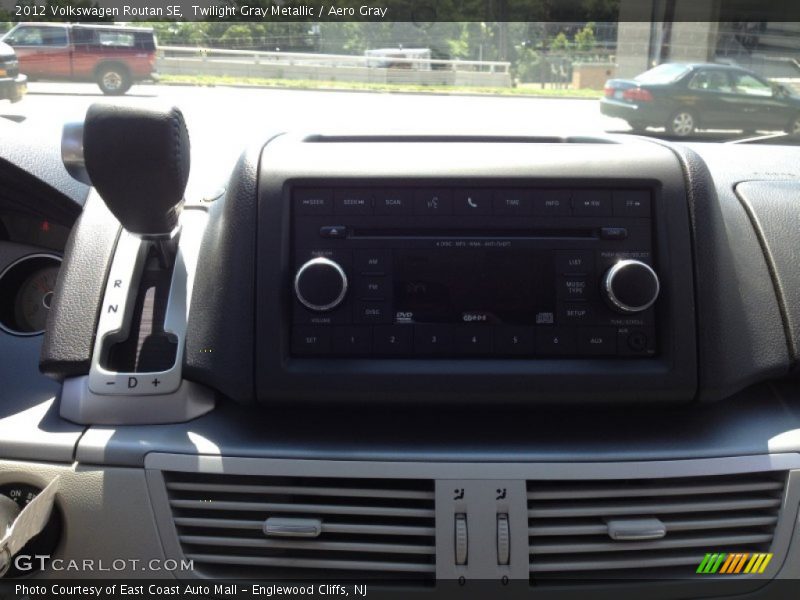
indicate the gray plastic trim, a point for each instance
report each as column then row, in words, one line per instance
column 80, row 404
column 481, row 491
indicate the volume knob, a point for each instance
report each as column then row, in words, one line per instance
column 631, row 286
column 320, row 284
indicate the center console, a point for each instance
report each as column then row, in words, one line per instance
column 490, row 270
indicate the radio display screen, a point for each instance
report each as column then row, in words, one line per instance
column 474, row 285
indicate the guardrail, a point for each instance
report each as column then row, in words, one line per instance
column 179, row 60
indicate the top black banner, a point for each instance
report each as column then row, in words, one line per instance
column 416, row 11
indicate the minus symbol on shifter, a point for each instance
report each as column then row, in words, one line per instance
column 111, row 382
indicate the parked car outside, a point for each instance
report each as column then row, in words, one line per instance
column 686, row 97
column 113, row 56
column 13, row 85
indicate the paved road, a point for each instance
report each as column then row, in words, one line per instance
column 223, row 119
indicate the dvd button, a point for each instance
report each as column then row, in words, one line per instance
column 472, row 340
column 573, row 288
column 372, row 312
column 513, row 340
column 393, row 339
column 352, row 340
column 432, row 339
column 555, row 341
column 601, row 341
column 311, row 340
column 576, row 312
column 372, row 261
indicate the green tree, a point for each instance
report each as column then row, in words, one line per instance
column 584, row 39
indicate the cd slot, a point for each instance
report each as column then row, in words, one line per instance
column 466, row 233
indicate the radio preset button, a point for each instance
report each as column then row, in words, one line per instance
column 512, row 203
column 375, row 262
column 433, row 202
column 313, row 202
column 555, row 341
column 551, row 203
column 591, row 203
column 472, row 202
column 393, row 339
column 353, row 202
column 514, row 340
column 394, row 202
column 352, row 340
column 472, row 340
column 372, row 312
column 433, row 339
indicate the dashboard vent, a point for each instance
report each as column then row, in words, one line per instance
column 647, row 528
column 242, row 526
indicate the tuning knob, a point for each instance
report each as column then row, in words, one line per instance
column 630, row 286
column 320, row 284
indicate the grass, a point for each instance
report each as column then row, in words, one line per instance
column 527, row 89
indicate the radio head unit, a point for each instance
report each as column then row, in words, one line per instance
column 407, row 270
column 488, row 271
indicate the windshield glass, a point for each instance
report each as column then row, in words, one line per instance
column 241, row 76
column 666, row 73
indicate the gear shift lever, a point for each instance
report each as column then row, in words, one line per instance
column 138, row 160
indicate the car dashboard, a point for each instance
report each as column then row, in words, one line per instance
column 415, row 360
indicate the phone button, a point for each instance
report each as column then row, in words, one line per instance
column 472, row 202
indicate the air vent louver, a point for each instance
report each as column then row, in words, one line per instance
column 569, row 524
column 381, row 528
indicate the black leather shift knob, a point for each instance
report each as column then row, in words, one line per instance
column 138, row 160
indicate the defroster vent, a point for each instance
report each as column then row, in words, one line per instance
column 284, row 527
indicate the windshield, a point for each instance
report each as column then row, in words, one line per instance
column 242, row 76
column 666, row 73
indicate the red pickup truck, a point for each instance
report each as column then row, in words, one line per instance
column 114, row 57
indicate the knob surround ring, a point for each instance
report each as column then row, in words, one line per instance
column 608, row 286
column 315, row 262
